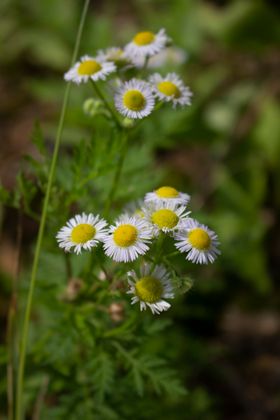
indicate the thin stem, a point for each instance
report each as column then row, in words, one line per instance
column 11, row 329
column 159, row 247
column 40, row 398
column 117, row 174
column 25, row 328
column 99, row 93
column 68, row 266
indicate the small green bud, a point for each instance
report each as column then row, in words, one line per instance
column 92, row 106
column 128, row 123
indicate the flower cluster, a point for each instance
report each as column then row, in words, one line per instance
column 163, row 212
column 134, row 98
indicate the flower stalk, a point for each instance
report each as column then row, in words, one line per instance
column 26, row 321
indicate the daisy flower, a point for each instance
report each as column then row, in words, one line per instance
column 89, row 68
column 134, row 99
column 114, row 54
column 170, row 56
column 81, row 232
column 127, row 239
column 151, row 288
column 146, row 44
column 167, row 194
column 198, row 241
column 165, row 217
column 134, row 208
column 170, row 89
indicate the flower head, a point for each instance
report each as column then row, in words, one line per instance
column 146, row 44
column 167, row 194
column 89, row 68
column 198, row 241
column 134, row 99
column 165, row 217
column 134, row 208
column 127, row 239
column 170, row 89
column 151, row 288
column 114, row 54
column 81, row 232
column 169, row 56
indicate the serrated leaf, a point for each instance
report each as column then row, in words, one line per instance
column 103, row 375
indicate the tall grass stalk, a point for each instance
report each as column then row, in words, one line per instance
column 25, row 328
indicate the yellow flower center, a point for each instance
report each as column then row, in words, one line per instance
column 199, row 239
column 134, row 100
column 165, row 218
column 144, row 38
column 89, row 67
column 82, row 233
column 149, row 289
column 169, row 89
column 125, row 235
column 167, row 192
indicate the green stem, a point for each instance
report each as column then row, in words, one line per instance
column 99, row 93
column 25, row 328
column 159, row 247
column 117, row 176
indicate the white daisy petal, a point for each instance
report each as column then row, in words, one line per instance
column 81, row 232
column 115, row 54
column 146, row 44
column 89, row 68
column 134, row 99
column 170, row 89
column 167, row 217
column 198, row 242
column 167, row 194
column 127, row 239
column 151, row 288
column 169, row 56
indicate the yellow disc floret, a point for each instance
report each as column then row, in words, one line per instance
column 169, row 89
column 134, row 100
column 125, row 235
column 165, row 218
column 144, row 38
column 199, row 239
column 89, row 67
column 82, row 233
column 167, row 192
column 149, row 289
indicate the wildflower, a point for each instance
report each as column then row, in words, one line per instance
column 89, row 68
column 171, row 89
column 198, row 241
column 151, row 288
column 127, row 239
column 134, row 99
column 170, row 56
column 134, row 208
column 165, row 217
column 81, row 232
column 146, row 44
column 114, row 54
column 167, row 194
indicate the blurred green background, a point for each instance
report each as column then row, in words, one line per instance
column 224, row 150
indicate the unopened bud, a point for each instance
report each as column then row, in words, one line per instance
column 73, row 289
column 116, row 312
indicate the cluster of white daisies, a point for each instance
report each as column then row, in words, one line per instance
column 134, row 98
column 163, row 212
